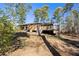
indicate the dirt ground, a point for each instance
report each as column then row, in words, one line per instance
column 63, row 47
column 35, row 46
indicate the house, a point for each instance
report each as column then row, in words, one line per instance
column 32, row 27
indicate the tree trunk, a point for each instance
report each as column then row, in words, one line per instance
column 58, row 31
column 38, row 31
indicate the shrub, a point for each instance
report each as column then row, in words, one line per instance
column 6, row 31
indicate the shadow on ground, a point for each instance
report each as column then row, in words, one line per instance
column 52, row 49
column 72, row 42
column 17, row 43
column 76, row 54
column 21, row 34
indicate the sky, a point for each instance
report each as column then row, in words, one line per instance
column 52, row 6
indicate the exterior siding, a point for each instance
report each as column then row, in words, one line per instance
column 33, row 27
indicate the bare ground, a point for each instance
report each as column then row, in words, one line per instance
column 64, row 47
column 35, row 46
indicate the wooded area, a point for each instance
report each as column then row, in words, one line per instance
column 67, row 19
